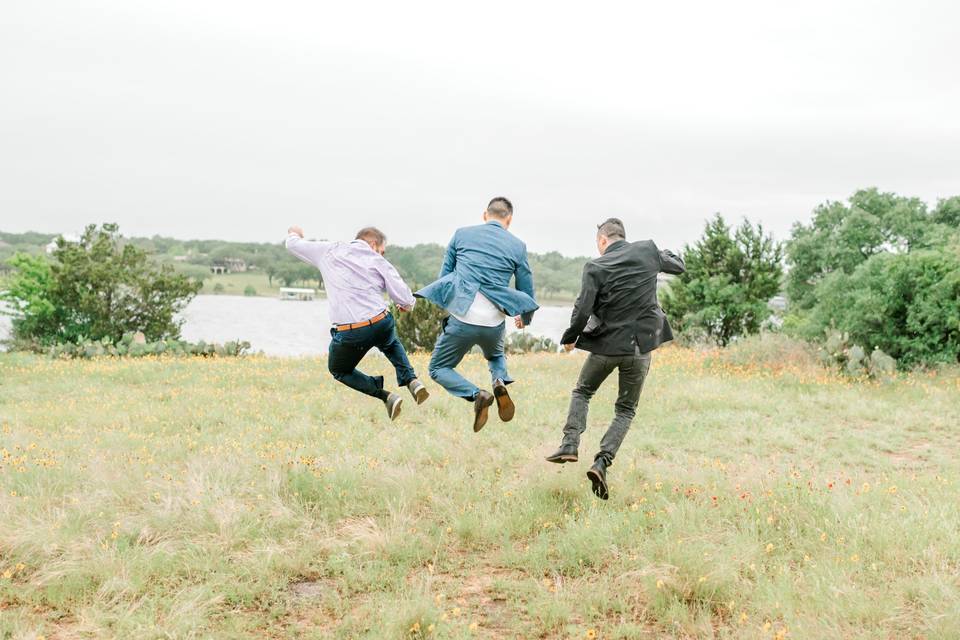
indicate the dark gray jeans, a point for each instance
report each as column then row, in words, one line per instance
column 632, row 370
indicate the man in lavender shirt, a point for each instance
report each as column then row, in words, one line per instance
column 356, row 275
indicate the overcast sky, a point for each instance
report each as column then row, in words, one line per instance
column 233, row 119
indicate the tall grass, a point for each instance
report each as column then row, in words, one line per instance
column 755, row 497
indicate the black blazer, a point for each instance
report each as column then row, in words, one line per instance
column 617, row 309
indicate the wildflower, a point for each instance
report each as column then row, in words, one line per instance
column 415, row 628
column 659, row 584
column 474, row 626
column 892, row 489
column 744, row 617
column 591, row 634
column 769, row 547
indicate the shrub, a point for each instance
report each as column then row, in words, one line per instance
column 906, row 305
column 250, row 290
column 853, row 359
column 523, row 342
column 419, row 328
column 130, row 346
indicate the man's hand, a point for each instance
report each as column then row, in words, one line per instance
column 569, row 347
column 518, row 321
column 403, row 309
column 295, row 229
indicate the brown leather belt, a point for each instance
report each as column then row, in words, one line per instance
column 359, row 325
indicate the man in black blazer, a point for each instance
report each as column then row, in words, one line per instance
column 618, row 319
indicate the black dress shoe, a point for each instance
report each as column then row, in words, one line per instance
column 505, row 406
column 481, row 407
column 566, row 453
column 598, row 478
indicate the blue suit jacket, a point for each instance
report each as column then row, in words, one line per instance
column 484, row 258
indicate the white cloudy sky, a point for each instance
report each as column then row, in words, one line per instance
column 232, row 119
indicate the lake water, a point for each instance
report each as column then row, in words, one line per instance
column 284, row 328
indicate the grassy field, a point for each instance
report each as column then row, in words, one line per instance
column 234, row 284
column 757, row 496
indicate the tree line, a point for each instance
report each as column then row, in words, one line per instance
column 557, row 276
column 875, row 277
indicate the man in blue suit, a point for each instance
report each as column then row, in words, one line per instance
column 474, row 287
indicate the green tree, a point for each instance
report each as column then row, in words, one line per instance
column 729, row 280
column 947, row 213
column 100, row 287
column 27, row 292
column 293, row 271
column 907, row 305
column 843, row 236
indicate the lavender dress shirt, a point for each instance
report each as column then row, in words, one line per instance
column 355, row 277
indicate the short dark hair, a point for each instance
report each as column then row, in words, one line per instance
column 500, row 207
column 372, row 234
column 612, row 229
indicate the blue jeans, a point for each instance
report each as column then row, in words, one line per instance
column 455, row 341
column 347, row 349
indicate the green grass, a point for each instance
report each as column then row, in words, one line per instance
column 234, row 284
column 256, row 498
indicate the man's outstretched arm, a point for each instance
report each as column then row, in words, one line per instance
column 396, row 288
column 671, row 263
column 310, row 251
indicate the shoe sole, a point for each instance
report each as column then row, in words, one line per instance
column 562, row 459
column 395, row 411
column 480, row 419
column 421, row 395
column 599, row 486
column 505, row 406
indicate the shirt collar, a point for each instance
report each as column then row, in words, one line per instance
column 616, row 244
column 496, row 222
column 363, row 243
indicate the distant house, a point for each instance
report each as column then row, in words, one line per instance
column 68, row 237
column 229, row 265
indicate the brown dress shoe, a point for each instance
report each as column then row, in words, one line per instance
column 505, row 406
column 481, row 407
